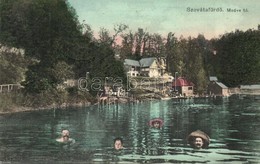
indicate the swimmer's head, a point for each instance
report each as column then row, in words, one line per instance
column 118, row 143
column 198, row 143
column 65, row 134
column 156, row 124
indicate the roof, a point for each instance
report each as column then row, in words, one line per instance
column 147, row 62
column 256, row 86
column 181, row 81
column 131, row 62
column 221, row 85
column 144, row 62
column 213, row 78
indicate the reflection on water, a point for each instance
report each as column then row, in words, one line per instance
column 233, row 126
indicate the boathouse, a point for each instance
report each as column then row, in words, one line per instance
column 216, row 88
column 183, row 87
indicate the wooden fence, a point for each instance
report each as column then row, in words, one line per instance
column 9, row 87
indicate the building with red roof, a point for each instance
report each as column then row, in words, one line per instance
column 183, row 86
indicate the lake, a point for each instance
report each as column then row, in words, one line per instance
column 233, row 125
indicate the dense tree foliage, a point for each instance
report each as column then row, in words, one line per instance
column 238, row 57
column 49, row 33
column 46, row 30
column 13, row 64
column 187, row 58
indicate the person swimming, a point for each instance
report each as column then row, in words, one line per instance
column 65, row 137
column 156, row 123
column 118, row 143
column 198, row 139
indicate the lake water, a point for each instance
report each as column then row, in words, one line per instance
column 232, row 124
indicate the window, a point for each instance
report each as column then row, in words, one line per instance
column 189, row 88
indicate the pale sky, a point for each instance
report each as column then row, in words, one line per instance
column 164, row 16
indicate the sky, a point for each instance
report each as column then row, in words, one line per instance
column 182, row 17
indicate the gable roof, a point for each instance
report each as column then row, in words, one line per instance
column 147, row 62
column 213, row 78
column 256, row 86
column 144, row 62
column 221, row 85
column 131, row 62
column 181, row 81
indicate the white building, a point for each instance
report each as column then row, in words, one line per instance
column 150, row 67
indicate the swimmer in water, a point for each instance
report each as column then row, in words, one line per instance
column 65, row 137
column 198, row 139
column 118, row 143
column 156, row 123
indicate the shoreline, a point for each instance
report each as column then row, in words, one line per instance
column 22, row 109
column 64, row 106
column 119, row 100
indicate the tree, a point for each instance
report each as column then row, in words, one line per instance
column 194, row 65
column 139, row 35
column 127, row 45
column 48, row 32
column 171, row 53
column 239, row 57
column 13, row 65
